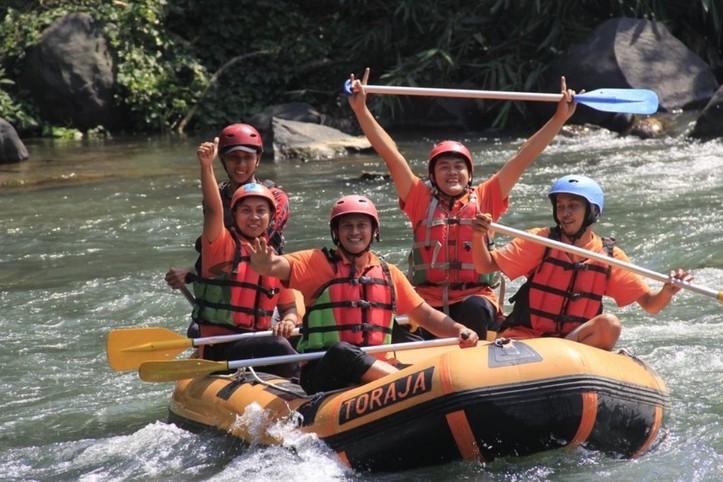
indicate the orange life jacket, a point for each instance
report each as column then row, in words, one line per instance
column 442, row 249
column 356, row 309
column 560, row 295
column 239, row 299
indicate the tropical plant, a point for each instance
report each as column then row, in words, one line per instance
column 198, row 64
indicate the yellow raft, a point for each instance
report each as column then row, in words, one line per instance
column 503, row 398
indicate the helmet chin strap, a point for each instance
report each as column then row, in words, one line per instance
column 444, row 196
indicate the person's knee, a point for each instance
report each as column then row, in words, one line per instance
column 611, row 328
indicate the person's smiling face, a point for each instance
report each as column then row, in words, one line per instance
column 451, row 175
column 355, row 232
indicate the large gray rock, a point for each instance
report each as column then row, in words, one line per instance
column 295, row 111
column 12, row 149
column 634, row 53
column 308, row 141
column 70, row 74
column 710, row 122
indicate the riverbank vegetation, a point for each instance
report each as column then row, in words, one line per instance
column 185, row 65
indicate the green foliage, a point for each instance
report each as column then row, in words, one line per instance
column 11, row 110
column 158, row 79
column 200, row 64
column 505, row 44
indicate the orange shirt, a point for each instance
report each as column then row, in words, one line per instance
column 218, row 256
column 489, row 199
column 310, row 270
column 520, row 257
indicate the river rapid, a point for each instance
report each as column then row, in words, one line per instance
column 88, row 230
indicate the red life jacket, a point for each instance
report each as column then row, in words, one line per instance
column 442, row 249
column 356, row 309
column 241, row 299
column 560, row 295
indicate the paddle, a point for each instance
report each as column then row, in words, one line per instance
column 630, row 101
column 605, row 259
column 127, row 348
column 172, row 370
column 187, row 294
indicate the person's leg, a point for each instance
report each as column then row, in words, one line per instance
column 401, row 334
column 476, row 313
column 342, row 365
column 257, row 347
column 602, row 332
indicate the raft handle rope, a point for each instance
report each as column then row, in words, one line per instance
column 241, row 373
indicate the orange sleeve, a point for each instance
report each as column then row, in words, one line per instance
column 625, row 286
column 286, row 296
column 489, row 198
column 309, row 271
column 217, row 255
column 520, row 256
column 419, row 197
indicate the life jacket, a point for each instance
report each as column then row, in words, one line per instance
column 359, row 310
column 560, row 295
column 242, row 299
column 442, row 249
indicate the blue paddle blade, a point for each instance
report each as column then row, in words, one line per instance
column 629, row 101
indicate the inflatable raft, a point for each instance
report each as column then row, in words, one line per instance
column 504, row 398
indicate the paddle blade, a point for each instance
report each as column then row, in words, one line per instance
column 173, row 370
column 129, row 347
column 628, row 101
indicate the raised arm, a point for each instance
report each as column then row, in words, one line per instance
column 213, row 206
column 654, row 303
column 385, row 146
column 510, row 173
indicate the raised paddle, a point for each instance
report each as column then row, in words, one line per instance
column 629, row 101
column 605, row 259
column 172, row 370
column 127, row 348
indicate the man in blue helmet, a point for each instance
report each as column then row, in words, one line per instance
column 563, row 293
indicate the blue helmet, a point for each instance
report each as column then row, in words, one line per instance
column 580, row 186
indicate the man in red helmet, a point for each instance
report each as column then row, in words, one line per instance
column 351, row 298
column 240, row 147
column 230, row 296
column 441, row 265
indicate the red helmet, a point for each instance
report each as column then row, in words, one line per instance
column 239, row 137
column 353, row 204
column 253, row 189
column 452, row 148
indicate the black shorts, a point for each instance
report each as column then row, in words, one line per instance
column 343, row 365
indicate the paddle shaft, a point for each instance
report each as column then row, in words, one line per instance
column 275, row 360
column 605, row 259
column 632, row 101
column 187, row 294
column 166, row 371
column 461, row 93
